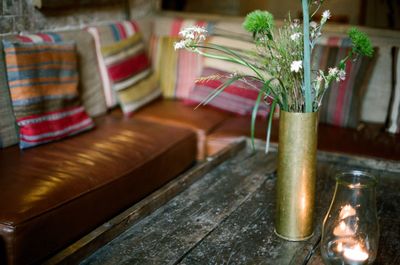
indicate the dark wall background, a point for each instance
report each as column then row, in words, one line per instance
column 371, row 13
column 22, row 15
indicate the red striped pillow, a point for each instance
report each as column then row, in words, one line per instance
column 43, row 81
column 126, row 67
column 342, row 102
column 238, row 98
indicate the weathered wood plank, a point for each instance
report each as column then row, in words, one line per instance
column 247, row 236
column 174, row 229
column 109, row 230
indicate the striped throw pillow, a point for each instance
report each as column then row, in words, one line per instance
column 238, row 98
column 8, row 125
column 393, row 119
column 43, row 81
column 176, row 70
column 342, row 103
column 122, row 54
column 39, row 37
column 90, row 85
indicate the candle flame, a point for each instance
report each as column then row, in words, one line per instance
column 343, row 230
column 347, row 211
column 340, row 247
column 355, row 254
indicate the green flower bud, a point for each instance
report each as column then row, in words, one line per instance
column 259, row 22
column 361, row 42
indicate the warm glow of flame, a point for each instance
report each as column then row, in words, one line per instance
column 339, row 247
column 343, row 230
column 355, row 254
column 347, row 211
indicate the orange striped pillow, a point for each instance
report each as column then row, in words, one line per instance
column 43, row 82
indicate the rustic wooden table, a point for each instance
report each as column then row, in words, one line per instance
column 226, row 217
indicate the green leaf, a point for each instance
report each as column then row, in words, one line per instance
column 254, row 117
column 255, row 110
column 269, row 127
column 219, row 90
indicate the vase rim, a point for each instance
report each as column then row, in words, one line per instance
column 356, row 179
column 295, row 112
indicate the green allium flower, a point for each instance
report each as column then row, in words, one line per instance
column 361, row 42
column 258, row 22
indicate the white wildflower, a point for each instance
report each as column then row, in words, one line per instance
column 318, row 82
column 295, row 36
column 296, row 66
column 333, row 72
column 295, row 23
column 325, row 16
column 342, row 75
column 179, row 45
column 200, row 30
column 313, row 24
column 192, row 32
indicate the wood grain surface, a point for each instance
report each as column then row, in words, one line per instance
column 227, row 216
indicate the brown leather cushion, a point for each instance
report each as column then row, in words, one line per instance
column 54, row 194
column 368, row 140
column 202, row 120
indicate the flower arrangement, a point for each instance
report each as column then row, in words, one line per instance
column 281, row 59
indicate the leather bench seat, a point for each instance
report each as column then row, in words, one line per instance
column 56, row 193
column 171, row 112
column 368, row 140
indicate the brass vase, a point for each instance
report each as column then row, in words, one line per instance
column 297, row 149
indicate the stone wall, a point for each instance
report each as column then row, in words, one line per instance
column 21, row 15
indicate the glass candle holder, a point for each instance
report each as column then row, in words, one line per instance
column 350, row 232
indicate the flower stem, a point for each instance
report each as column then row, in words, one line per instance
column 307, row 57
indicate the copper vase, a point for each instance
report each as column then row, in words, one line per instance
column 295, row 188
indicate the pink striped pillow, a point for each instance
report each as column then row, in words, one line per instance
column 177, row 70
column 238, row 98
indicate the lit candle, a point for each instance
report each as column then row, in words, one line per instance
column 339, row 247
column 355, row 255
column 343, row 230
column 347, row 211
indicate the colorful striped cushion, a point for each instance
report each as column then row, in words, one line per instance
column 43, row 81
column 342, row 102
column 176, row 70
column 122, row 54
column 238, row 98
column 90, row 85
column 8, row 125
column 231, row 35
column 39, row 37
column 393, row 119
column 375, row 105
